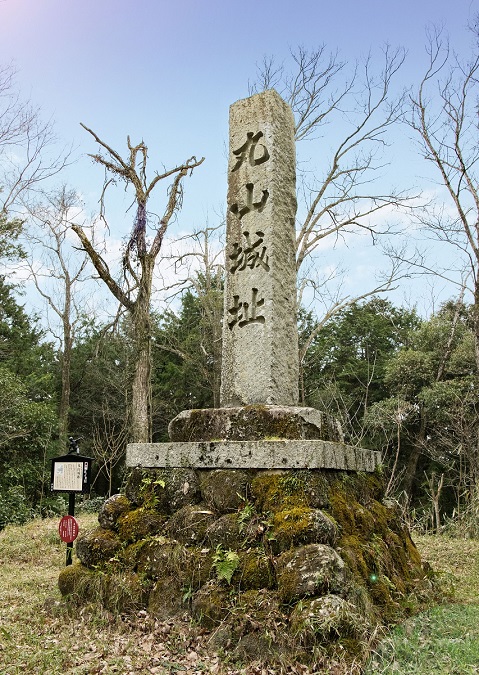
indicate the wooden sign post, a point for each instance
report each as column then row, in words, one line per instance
column 71, row 473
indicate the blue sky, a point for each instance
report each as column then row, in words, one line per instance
column 168, row 71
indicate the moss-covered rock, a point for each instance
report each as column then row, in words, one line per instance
column 165, row 599
column 254, row 423
column 316, row 488
column 255, row 571
column 300, row 525
column 225, row 531
column 76, row 580
column 161, row 557
column 211, row 604
column 316, row 558
column 146, row 486
column 275, row 491
column 97, row 546
column 182, row 487
column 139, row 523
column 189, row 524
column 125, row 592
column 111, row 510
column 225, row 490
column 163, row 490
column 326, row 618
column 315, row 569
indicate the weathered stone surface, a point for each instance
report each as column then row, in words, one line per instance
column 165, row 490
column 255, row 571
column 140, row 523
column 189, row 524
column 279, row 454
column 225, row 531
column 111, row 510
column 225, row 490
column 165, row 599
column 298, row 526
column 97, row 546
column 210, row 605
column 182, row 487
column 315, row 569
column 254, row 423
column 260, row 341
column 328, row 617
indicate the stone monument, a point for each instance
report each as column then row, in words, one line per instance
column 278, row 532
column 260, row 337
column 259, row 424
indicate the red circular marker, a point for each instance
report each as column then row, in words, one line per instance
column 68, row 529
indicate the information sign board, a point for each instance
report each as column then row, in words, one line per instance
column 68, row 529
column 71, row 473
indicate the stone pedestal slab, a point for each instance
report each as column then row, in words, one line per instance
column 254, row 423
column 281, row 454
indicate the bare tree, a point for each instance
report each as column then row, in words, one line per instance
column 133, row 291
column 27, row 142
column 109, row 443
column 444, row 117
column 321, row 92
column 57, row 271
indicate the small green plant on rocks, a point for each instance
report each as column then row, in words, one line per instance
column 225, row 563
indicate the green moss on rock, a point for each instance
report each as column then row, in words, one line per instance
column 165, row 599
column 139, row 524
column 211, row 604
column 255, row 571
column 163, row 490
column 190, row 523
column 278, row 491
column 111, row 510
column 314, row 569
column 329, row 617
column 76, row 580
column 97, row 546
column 300, row 525
column 225, row 531
column 125, row 592
column 225, row 490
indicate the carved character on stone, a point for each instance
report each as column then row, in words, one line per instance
column 246, row 312
column 250, row 255
column 248, row 151
column 242, row 209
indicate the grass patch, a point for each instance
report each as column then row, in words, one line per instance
column 42, row 633
column 445, row 639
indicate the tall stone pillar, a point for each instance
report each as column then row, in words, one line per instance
column 260, row 337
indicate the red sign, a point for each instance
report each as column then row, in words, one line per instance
column 68, row 529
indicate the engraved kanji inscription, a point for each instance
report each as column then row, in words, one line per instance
column 252, row 255
column 252, row 151
column 242, row 209
column 246, row 312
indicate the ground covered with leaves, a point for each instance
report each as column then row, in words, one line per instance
column 41, row 633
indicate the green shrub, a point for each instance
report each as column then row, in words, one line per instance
column 14, row 508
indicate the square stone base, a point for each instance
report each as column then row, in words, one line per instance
column 275, row 454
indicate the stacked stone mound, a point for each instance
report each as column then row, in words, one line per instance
column 268, row 561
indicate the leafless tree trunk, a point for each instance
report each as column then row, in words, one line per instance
column 135, row 289
column 444, row 117
column 57, row 272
